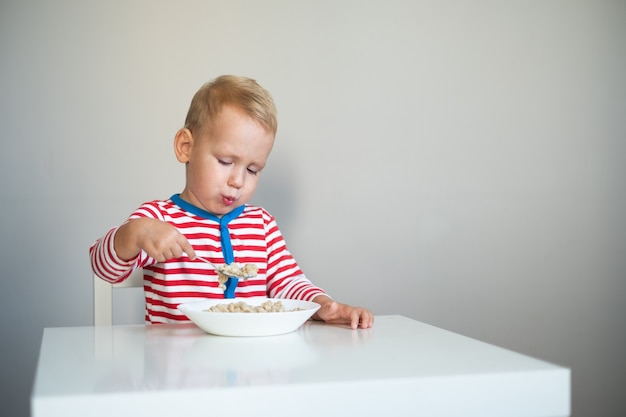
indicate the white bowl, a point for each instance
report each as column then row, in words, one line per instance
column 249, row 324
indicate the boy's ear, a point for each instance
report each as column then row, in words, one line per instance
column 182, row 145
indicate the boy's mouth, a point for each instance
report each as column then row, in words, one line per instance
column 228, row 200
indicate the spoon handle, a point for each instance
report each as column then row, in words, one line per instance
column 209, row 262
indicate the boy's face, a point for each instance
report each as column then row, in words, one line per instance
column 224, row 161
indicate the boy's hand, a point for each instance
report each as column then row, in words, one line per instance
column 333, row 312
column 158, row 239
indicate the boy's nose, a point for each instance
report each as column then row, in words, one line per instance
column 236, row 179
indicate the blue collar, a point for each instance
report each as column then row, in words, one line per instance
column 205, row 214
column 227, row 247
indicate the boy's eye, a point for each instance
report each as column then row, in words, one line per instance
column 224, row 162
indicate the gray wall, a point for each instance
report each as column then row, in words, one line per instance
column 460, row 163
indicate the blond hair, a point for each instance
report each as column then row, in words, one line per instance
column 241, row 92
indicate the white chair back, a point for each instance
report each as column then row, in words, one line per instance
column 103, row 296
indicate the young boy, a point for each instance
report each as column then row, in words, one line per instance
column 228, row 135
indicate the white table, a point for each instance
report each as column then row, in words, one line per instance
column 400, row 367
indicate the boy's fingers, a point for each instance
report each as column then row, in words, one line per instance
column 354, row 322
column 187, row 248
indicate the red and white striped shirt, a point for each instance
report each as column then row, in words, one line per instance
column 249, row 234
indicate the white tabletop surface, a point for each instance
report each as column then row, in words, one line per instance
column 400, row 365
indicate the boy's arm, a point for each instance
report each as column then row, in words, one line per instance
column 160, row 240
column 114, row 255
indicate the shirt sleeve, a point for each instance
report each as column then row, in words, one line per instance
column 104, row 261
column 285, row 279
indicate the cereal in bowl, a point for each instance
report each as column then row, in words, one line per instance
column 243, row 307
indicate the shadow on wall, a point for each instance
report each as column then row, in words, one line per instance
column 276, row 192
